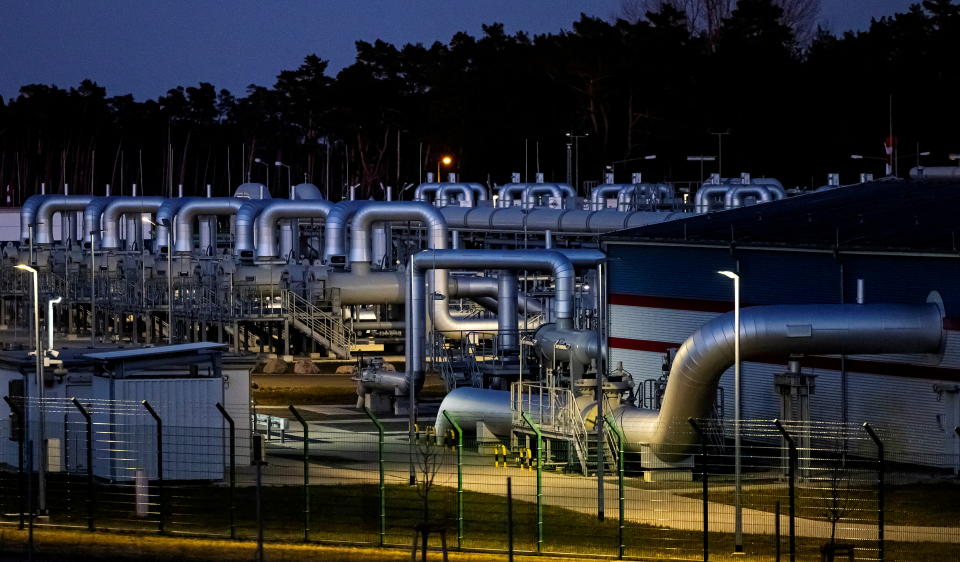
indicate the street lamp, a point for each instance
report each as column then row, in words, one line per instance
column 265, row 167
column 169, row 226
column 39, row 382
column 446, row 161
column 289, row 181
column 738, row 546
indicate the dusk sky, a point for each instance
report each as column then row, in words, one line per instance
column 145, row 48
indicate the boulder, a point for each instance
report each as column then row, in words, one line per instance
column 275, row 367
column 305, row 367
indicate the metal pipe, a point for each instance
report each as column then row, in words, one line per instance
column 702, row 198
column 778, row 330
column 92, row 214
column 448, row 189
column 245, row 221
column 507, row 311
column 192, row 208
column 558, row 221
column 381, row 211
column 28, row 213
column 278, row 209
column 43, row 231
column 530, row 194
column 335, row 229
column 424, row 189
column 120, row 206
column 307, row 191
column 735, row 197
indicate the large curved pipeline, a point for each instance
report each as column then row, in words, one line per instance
column 43, row 229
column 767, row 332
column 246, row 218
column 193, row 207
column 91, row 219
column 278, row 209
column 335, row 229
column 120, row 206
column 558, row 221
column 28, row 215
column 444, row 193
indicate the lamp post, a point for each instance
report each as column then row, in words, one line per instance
column 278, row 164
column 738, row 523
column 446, row 161
column 26, row 392
column 265, row 167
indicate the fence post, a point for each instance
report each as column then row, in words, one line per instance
column 382, row 489
column 621, row 441
column 456, row 426
column 536, row 430
column 91, row 486
column 18, row 415
column 509, row 520
column 233, row 471
column 306, row 473
column 704, row 467
column 881, row 468
column 160, row 498
column 791, row 475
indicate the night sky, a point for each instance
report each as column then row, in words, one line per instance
column 145, row 48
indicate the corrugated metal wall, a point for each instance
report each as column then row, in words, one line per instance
column 674, row 280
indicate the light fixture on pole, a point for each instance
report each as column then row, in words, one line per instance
column 38, row 355
column 446, row 161
column 289, row 181
column 738, row 523
column 265, row 167
column 576, row 157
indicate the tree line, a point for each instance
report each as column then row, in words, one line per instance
column 784, row 99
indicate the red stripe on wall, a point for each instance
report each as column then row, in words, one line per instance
column 831, row 363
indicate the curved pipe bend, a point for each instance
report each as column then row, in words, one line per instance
column 275, row 210
column 43, row 231
column 192, row 208
column 119, row 206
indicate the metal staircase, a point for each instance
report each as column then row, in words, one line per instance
column 325, row 328
column 555, row 410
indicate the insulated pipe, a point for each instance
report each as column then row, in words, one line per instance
column 335, row 229
column 278, row 209
column 536, row 260
column 194, row 207
column 507, row 327
column 28, row 214
column 422, row 191
column 383, row 211
column 702, row 198
column 530, row 194
column 558, row 221
column 43, row 231
column 776, row 331
column 484, row 291
column 91, row 219
column 243, row 244
column 165, row 218
column 508, row 192
column 443, row 195
column 601, row 193
column 737, row 194
column 479, row 191
column 120, row 206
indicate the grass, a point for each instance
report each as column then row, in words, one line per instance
column 933, row 505
column 349, row 514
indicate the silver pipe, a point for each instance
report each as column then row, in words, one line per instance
column 251, row 190
column 278, row 209
column 530, row 194
column 534, row 260
column 166, row 216
column 782, row 330
column 601, row 192
column 558, row 221
column 380, row 244
column 28, row 213
column 702, row 198
column 479, row 191
column 507, row 311
column 448, row 189
column 382, row 211
column 91, row 219
column 735, row 197
column 192, row 208
column 51, row 205
column 508, row 192
column 335, row 229
column 424, row 189
column 246, row 217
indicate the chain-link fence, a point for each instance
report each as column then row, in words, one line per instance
column 336, row 474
